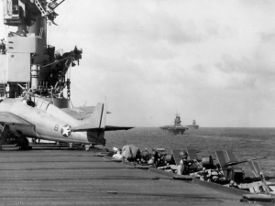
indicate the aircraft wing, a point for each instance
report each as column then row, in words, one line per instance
column 114, row 128
column 83, row 128
column 192, row 153
column 9, row 118
column 236, row 163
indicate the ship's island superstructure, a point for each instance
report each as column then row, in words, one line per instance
column 177, row 128
column 29, row 64
column 35, row 83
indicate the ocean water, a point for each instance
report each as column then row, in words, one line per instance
column 246, row 143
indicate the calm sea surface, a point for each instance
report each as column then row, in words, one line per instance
column 245, row 142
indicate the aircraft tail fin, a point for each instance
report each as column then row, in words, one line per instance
column 95, row 125
column 96, row 121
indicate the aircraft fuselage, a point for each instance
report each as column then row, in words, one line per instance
column 44, row 121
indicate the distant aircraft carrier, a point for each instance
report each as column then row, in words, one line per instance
column 178, row 128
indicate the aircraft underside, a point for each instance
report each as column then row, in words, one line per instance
column 8, row 138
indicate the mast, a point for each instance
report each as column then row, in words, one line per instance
column 177, row 121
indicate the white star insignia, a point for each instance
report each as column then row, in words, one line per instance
column 66, row 130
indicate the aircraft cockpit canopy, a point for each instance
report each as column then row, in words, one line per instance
column 28, row 98
column 35, row 101
column 42, row 103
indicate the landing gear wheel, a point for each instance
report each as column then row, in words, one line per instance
column 71, row 145
column 88, row 147
column 23, row 143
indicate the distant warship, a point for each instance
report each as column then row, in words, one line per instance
column 177, row 128
column 194, row 125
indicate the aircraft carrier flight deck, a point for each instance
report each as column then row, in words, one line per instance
column 71, row 177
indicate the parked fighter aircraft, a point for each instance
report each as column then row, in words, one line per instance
column 36, row 117
column 262, row 190
column 256, row 184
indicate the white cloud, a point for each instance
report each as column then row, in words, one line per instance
column 209, row 60
column 155, row 58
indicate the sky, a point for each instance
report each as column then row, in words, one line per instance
column 209, row 60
